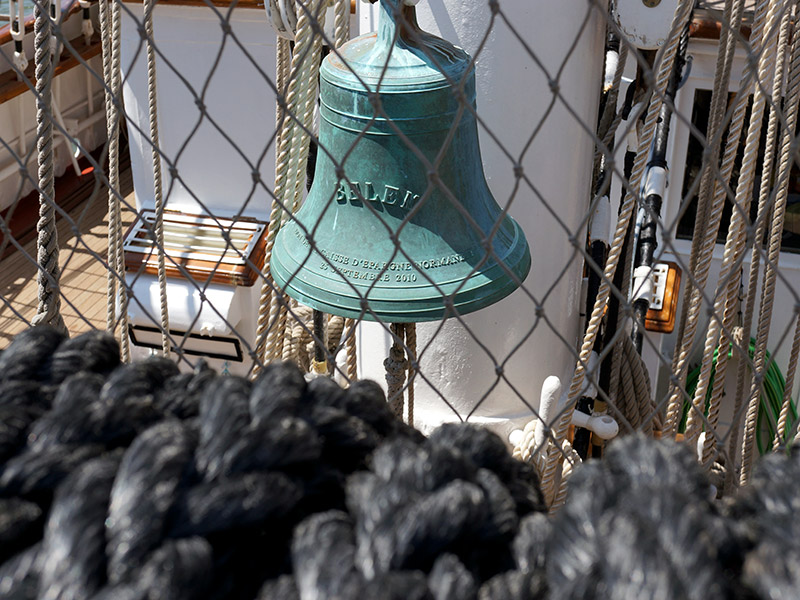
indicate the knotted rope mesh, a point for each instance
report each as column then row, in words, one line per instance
column 164, row 235
column 140, row 481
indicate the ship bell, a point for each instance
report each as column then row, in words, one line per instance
column 399, row 225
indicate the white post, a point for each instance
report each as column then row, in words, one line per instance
column 513, row 97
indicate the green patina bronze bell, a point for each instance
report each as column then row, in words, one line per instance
column 399, row 224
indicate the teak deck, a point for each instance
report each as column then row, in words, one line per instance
column 83, row 277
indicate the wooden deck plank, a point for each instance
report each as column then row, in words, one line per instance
column 83, row 279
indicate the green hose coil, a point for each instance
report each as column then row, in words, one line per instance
column 771, row 399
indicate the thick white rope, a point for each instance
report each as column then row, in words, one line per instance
column 48, row 311
column 706, row 227
column 636, row 390
column 295, row 172
column 411, row 345
column 783, row 418
column 665, row 63
column 617, row 366
column 300, row 100
column 341, row 22
column 755, row 256
column 282, row 68
column 396, row 365
column 294, row 186
column 732, row 16
column 352, row 351
column 788, row 148
column 741, row 341
column 341, row 29
column 152, row 101
column 724, row 304
column 569, row 460
column 795, row 352
column 116, row 61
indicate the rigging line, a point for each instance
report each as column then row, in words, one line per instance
column 48, row 310
column 152, row 103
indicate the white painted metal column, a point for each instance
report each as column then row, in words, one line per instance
column 513, row 99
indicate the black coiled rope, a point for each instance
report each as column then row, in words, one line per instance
column 140, row 482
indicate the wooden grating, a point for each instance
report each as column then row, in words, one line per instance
column 200, row 247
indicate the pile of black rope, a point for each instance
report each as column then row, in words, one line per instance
column 140, row 482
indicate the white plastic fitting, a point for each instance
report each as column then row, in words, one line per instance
column 549, row 404
column 643, row 283
column 701, row 442
column 633, row 133
column 656, row 181
column 588, row 388
column 16, row 13
column 21, row 62
column 515, row 437
column 87, row 27
column 603, row 426
column 600, row 228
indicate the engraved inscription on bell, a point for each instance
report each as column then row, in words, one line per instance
column 354, row 191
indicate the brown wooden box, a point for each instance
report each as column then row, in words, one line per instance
column 195, row 245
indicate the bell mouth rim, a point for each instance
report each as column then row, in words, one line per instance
column 434, row 308
column 466, row 294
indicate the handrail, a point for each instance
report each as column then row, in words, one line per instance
column 11, row 87
column 68, row 7
column 218, row 3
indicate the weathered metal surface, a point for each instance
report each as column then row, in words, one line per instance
column 408, row 224
column 645, row 23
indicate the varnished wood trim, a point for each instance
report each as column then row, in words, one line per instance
column 709, row 29
column 217, row 3
column 10, row 87
column 224, row 3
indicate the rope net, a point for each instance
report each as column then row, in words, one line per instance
column 645, row 157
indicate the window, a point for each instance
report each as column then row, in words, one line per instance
column 694, row 156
